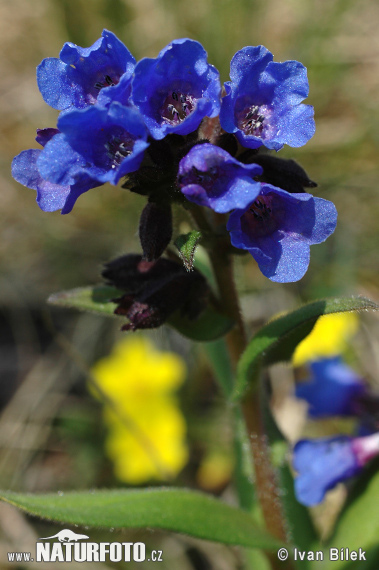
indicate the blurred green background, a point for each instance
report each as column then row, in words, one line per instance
column 50, row 428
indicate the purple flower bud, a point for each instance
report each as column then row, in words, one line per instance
column 155, row 290
column 155, row 229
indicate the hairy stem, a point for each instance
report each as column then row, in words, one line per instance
column 265, row 476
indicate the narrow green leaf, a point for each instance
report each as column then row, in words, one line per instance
column 97, row 299
column 276, row 341
column 178, row 510
column 244, row 468
column 186, row 245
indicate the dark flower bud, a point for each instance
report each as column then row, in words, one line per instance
column 280, row 172
column 228, row 142
column 130, row 272
column 155, row 229
column 155, row 291
column 161, row 154
column 140, row 315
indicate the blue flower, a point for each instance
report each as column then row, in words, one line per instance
column 102, row 143
column 322, row 463
column 210, row 177
column 78, row 76
column 263, row 101
column 277, row 228
column 333, row 389
column 50, row 196
column 176, row 90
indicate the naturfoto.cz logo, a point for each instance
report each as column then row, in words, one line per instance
column 68, row 548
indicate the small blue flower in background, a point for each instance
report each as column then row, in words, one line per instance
column 102, row 143
column 78, row 76
column 322, row 463
column 50, row 196
column 263, row 101
column 210, row 177
column 333, row 389
column 277, row 228
column 176, row 90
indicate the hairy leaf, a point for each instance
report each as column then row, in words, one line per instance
column 186, row 245
column 178, row 510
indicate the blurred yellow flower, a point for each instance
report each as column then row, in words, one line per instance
column 328, row 338
column 215, row 471
column 146, row 429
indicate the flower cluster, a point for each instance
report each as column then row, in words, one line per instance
column 146, row 429
column 164, row 127
column 333, row 390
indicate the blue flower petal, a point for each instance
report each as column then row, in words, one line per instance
column 103, row 144
column 321, row 464
column 263, row 101
column 332, row 389
column 210, row 176
column 289, row 264
column 294, row 127
column 176, row 90
column 277, row 229
column 50, row 196
column 77, row 77
column 59, row 163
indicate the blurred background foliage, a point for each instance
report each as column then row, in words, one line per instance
column 51, row 434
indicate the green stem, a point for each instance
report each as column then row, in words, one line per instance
column 265, row 476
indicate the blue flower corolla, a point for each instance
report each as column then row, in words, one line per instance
column 176, row 90
column 263, row 105
column 277, row 229
column 50, row 196
column 322, row 463
column 333, row 389
column 210, row 176
column 104, row 144
column 78, row 76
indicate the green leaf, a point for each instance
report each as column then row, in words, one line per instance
column 178, row 510
column 186, row 245
column 276, row 341
column 97, row 299
column 358, row 523
column 244, row 475
column 209, row 326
